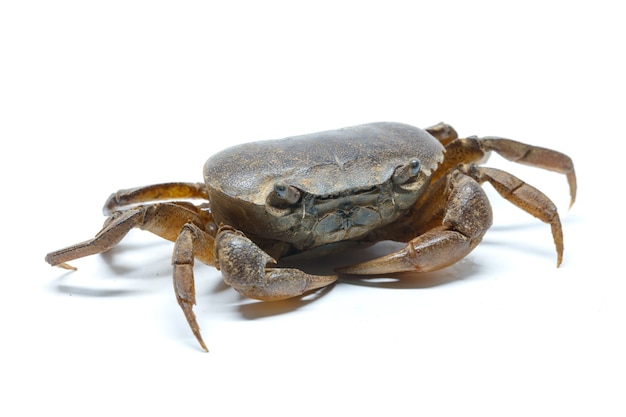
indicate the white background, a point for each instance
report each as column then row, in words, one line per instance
column 98, row 96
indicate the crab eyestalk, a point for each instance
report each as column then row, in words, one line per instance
column 405, row 172
column 288, row 193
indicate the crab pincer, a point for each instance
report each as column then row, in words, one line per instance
column 244, row 267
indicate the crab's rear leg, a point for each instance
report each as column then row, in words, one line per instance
column 534, row 156
column 115, row 228
column 154, row 193
column 162, row 219
column 524, row 196
column 181, row 222
column 474, row 149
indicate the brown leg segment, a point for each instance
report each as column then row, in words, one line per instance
column 192, row 242
column 181, row 222
column 114, row 230
column 163, row 219
column 464, row 152
column 534, row 156
column 524, row 196
column 473, row 150
column 153, row 193
column 443, row 132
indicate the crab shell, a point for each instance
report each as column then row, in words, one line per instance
column 344, row 180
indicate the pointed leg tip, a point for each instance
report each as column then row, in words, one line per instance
column 187, row 307
column 196, row 332
column 571, row 203
column 66, row 266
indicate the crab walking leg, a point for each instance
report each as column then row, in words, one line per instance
column 534, row 156
column 114, row 230
column 155, row 192
column 473, row 149
column 443, row 132
column 192, row 242
column 524, row 196
column 162, row 219
column 463, row 222
column 244, row 267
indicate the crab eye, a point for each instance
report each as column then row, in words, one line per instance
column 287, row 192
column 415, row 166
column 405, row 172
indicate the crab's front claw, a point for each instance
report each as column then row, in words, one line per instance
column 244, row 267
column 432, row 251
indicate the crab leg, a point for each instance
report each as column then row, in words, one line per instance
column 162, row 219
column 114, row 230
column 524, row 196
column 244, row 267
column 175, row 221
column 474, row 149
column 159, row 218
column 534, row 156
column 155, row 192
column 192, row 242
column 443, row 132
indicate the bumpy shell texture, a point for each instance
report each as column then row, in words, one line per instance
column 324, row 163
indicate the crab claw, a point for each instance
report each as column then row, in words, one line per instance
column 244, row 267
column 433, row 250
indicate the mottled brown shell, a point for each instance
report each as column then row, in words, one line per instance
column 323, row 163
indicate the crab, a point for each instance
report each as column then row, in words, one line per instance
column 323, row 192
